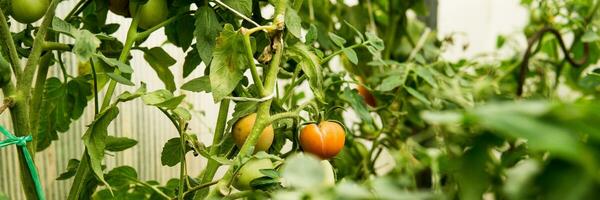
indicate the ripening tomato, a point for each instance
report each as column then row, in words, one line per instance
column 251, row 171
column 325, row 140
column 119, row 7
column 151, row 14
column 243, row 127
column 29, row 11
column 367, row 96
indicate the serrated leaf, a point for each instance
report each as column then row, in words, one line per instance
column 160, row 61
column 357, row 103
column 95, row 141
column 128, row 96
column 207, row 30
column 181, row 32
column 163, row 99
column 228, row 64
column 85, row 45
column 124, row 68
column 171, row 152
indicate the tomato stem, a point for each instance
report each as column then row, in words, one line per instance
column 6, row 38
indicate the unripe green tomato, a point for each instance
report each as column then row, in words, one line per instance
column 251, row 171
column 367, row 129
column 29, row 11
column 328, row 175
column 151, row 13
column 243, row 127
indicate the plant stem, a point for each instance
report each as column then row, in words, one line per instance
column 131, row 37
column 6, row 38
column 212, row 165
column 199, row 187
column 182, row 164
column 237, row 195
column 38, row 94
column 57, row 46
column 257, row 80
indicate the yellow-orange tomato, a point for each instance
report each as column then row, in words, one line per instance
column 242, row 129
column 325, row 140
column 367, row 96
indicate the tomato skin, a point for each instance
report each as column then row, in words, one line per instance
column 119, row 7
column 29, row 11
column 325, row 140
column 151, row 13
column 367, row 96
column 251, row 171
column 243, row 127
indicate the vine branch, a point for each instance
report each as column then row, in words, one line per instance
column 528, row 54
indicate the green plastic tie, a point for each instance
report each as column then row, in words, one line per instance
column 22, row 142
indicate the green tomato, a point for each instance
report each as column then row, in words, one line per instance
column 29, row 11
column 329, row 176
column 251, row 171
column 151, row 13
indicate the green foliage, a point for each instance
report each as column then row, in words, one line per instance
column 521, row 126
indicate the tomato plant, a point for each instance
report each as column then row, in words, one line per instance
column 316, row 99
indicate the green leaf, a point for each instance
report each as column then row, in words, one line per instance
column 312, row 34
column 311, row 66
column 375, row 42
column 426, row 75
column 72, row 166
column 339, row 41
column 417, row 95
column 351, row 55
column 116, row 144
column 302, row 171
column 62, row 26
column 242, row 6
column 228, row 64
column 357, row 103
column 128, row 96
column 192, row 60
column 590, row 36
column 171, row 152
column 124, row 68
column 95, row 140
column 182, row 113
column 293, row 22
column 163, row 99
column 181, row 32
column 119, row 79
column 120, row 176
column 207, row 30
column 200, row 84
column 160, row 62
column 85, row 45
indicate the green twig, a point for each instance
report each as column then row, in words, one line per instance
column 257, row 80
column 330, row 56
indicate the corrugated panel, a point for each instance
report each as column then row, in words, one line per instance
column 143, row 123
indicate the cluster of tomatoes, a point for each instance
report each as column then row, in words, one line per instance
column 325, row 140
column 150, row 14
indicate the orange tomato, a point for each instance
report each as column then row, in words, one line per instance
column 324, row 140
column 367, row 96
column 243, row 127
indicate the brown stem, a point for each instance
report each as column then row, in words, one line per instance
column 528, row 54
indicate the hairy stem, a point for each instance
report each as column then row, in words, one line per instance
column 9, row 47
